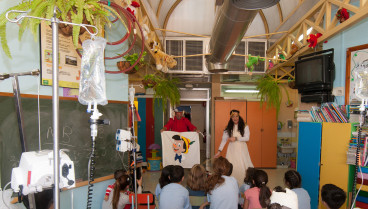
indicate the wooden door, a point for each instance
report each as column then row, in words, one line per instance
column 150, row 126
column 254, row 121
column 269, row 137
column 334, row 170
column 309, row 155
column 222, row 117
column 142, row 127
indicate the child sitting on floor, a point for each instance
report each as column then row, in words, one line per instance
column 333, row 197
column 117, row 174
column 293, row 181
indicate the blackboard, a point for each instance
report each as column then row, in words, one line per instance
column 74, row 134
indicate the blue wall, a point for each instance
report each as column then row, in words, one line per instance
column 26, row 57
column 354, row 36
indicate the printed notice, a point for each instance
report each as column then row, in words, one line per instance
column 69, row 60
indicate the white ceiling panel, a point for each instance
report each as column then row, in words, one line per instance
column 256, row 27
column 165, row 8
column 154, row 4
column 287, row 6
column 193, row 16
column 273, row 17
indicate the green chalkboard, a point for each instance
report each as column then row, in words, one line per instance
column 75, row 134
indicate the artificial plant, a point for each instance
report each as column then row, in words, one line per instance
column 164, row 89
column 269, row 90
column 69, row 11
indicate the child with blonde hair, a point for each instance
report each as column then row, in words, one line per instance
column 196, row 185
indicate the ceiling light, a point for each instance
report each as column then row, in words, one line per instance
column 241, row 91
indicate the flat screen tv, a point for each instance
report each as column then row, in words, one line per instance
column 315, row 72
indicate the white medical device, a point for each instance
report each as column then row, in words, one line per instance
column 35, row 172
column 124, row 141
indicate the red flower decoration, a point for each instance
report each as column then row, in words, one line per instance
column 135, row 4
column 313, row 39
column 342, row 15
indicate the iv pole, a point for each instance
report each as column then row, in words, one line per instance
column 55, row 88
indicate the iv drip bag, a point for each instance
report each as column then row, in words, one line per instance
column 361, row 82
column 92, row 86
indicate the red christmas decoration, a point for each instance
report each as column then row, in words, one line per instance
column 313, row 40
column 135, row 4
column 131, row 11
column 342, row 15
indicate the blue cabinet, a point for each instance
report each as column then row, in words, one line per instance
column 309, row 158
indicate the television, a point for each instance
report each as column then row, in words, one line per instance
column 315, row 72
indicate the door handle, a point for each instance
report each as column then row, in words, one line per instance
column 262, row 129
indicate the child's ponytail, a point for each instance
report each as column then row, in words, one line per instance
column 221, row 166
column 261, row 180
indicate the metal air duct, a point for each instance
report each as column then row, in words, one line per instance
column 232, row 21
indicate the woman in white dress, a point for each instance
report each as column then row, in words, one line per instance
column 237, row 134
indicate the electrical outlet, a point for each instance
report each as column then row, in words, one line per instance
column 338, row 91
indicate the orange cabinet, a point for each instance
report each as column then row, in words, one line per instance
column 262, row 124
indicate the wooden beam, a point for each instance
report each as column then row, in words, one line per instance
column 315, row 27
column 345, row 5
column 265, row 23
column 280, row 12
column 177, row 2
column 159, row 8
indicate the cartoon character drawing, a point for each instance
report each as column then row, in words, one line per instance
column 181, row 145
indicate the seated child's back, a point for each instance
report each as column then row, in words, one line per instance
column 174, row 195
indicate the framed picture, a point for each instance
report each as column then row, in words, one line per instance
column 355, row 57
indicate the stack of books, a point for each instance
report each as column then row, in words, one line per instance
column 328, row 112
column 303, row 116
column 362, row 180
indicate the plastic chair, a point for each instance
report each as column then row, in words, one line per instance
column 145, row 201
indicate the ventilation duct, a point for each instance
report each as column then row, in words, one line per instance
column 232, row 21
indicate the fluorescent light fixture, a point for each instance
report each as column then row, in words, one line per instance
column 241, row 91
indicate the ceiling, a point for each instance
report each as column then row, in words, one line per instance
column 198, row 17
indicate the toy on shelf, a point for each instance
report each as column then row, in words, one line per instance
column 154, row 162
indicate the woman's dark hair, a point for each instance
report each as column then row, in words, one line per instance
column 221, row 166
column 164, row 178
column 293, row 179
column 260, row 181
column 230, row 124
column 249, row 175
column 120, row 185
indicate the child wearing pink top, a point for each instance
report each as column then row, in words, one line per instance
column 258, row 196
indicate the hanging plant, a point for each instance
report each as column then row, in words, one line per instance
column 269, row 91
column 74, row 11
column 342, row 15
column 164, row 89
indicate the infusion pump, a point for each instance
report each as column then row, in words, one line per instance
column 36, row 172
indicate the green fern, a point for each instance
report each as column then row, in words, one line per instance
column 269, row 91
column 96, row 14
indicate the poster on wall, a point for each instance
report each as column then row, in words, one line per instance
column 69, row 60
column 356, row 57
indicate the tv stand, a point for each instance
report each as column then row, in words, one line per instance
column 319, row 97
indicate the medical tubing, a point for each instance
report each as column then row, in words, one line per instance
column 91, row 173
column 357, row 160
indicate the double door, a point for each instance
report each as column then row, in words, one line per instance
column 322, row 157
column 262, row 124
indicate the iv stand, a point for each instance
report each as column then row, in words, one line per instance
column 132, row 109
column 55, row 90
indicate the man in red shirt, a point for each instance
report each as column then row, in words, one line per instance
column 179, row 123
